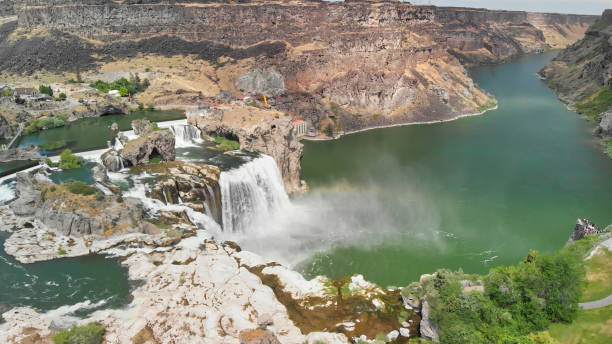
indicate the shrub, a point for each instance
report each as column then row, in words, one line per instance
column 119, row 199
column 151, row 107
column 126, row 87
column 69, row 160
column 61, row 251
column 140, row 107
column 99, row 196
column 80, row 188
column 87, row 334
column 6, row 93
column 155, row 160
column 123, row 91
column 329, row 130
column 61, row 96
column 51, row 163
column 45, row 90
column 598, row 103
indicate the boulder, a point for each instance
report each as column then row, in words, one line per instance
column 157, row 143
column 27, row 193
column 112, row 160
column 604, row 129
column 143, row 126
column 258, row 336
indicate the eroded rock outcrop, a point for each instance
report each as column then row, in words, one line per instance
column 194, row 183
column 275, row 138
column 30, row 152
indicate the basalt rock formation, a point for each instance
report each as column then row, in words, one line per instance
column 349, row 65
column 194, row 184
column 584, row 68
column 275, row 138
column 74, row 214
column 153, row 143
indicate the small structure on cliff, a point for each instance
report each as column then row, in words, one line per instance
column 299, row 127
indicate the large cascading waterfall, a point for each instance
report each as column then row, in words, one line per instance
column 186, row 135
column 251, row 194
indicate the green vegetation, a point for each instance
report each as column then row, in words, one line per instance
column 608, row 147
column 61, row 96
column 53, row 145
column 119, row 199
column 87, row 334
column 6, row 93
column 329, row 130
column 45, row 90
column 599, row 102
column 140, row 107
column 590, row 327
column 99, row 196
column 69, row 160
column 150, row 107
column 61, row 251
column 225, row 144
column 126, row 87
column 518, row 302
column 155, row 160
column 42, row 124
column 51, row 163
column 80, row 188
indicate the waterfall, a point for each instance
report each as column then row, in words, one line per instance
column 117, row 145
column 251, row 193
column 185, row 135
column 7, row 191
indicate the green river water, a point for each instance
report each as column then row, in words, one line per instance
column 393, row 203
column 472, row 193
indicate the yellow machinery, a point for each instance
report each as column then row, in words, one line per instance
column 265, row 101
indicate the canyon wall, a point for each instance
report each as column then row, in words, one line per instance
column 344, row 66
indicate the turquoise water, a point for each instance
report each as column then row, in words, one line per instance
column 472, row 194
column 67, row 281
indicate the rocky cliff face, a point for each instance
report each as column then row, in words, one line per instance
column 350, row 65
column 585, row 67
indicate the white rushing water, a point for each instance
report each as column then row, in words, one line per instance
column 185, row 135
column 251, row 194
column 7, row 191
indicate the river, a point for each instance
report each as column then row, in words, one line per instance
column 474, row 193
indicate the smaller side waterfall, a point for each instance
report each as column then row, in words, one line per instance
column 251, row 193
column 186, row 135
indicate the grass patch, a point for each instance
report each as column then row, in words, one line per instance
column 87, row 334
column 173, row 233
column 225, row 144
column 80, row 188
column 155, row 160
column 61, row 251
column 590, row 327
column 599, row 277
column 597, row 103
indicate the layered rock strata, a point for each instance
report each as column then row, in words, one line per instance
column 348, row 65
